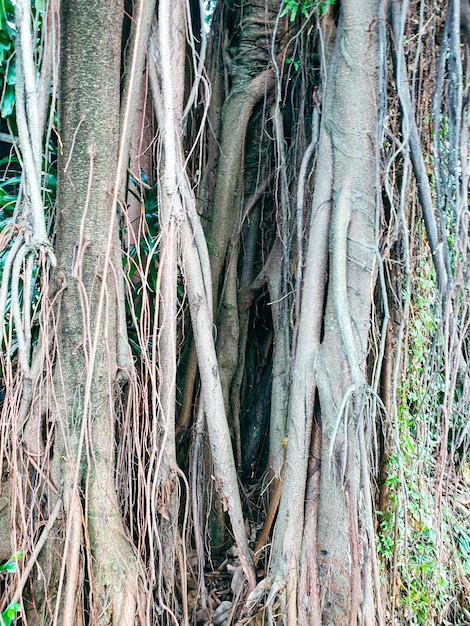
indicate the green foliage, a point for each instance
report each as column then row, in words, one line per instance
column 7, row 58
column 11, row 565
column 8, row 54
column 306, row 7
column 409, row 544
column 210, row 7
column 385, row 541
column 296, row 63
column 462, row 538
column 423, row 589
column 9, row 614
column 9, row 188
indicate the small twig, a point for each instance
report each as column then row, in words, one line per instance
column 74, row 138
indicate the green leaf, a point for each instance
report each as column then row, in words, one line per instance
column 11, row 72
column 291, row 6
column 14, row 180
column 6, row 17
column 293, row 12
column 8, row 101
column 10, row 612
column 304, row 9
column 5, row 46
column 10, row 565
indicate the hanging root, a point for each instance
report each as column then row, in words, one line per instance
column 23, row 261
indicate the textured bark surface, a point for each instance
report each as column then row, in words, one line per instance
column 331, row 349
column 86, row 318
column 250, row 409
column 350, row 119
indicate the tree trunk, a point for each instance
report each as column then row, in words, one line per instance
column 86, row 322
column 331, row 346
column 346, row 545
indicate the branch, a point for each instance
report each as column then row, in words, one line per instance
column 219, row 434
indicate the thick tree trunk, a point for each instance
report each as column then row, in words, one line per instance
column 340, row 590
column 345, row 527
column 87, row 320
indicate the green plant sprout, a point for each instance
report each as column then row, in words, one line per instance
column 294, row 62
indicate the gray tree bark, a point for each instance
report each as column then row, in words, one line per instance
column 331, row 351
